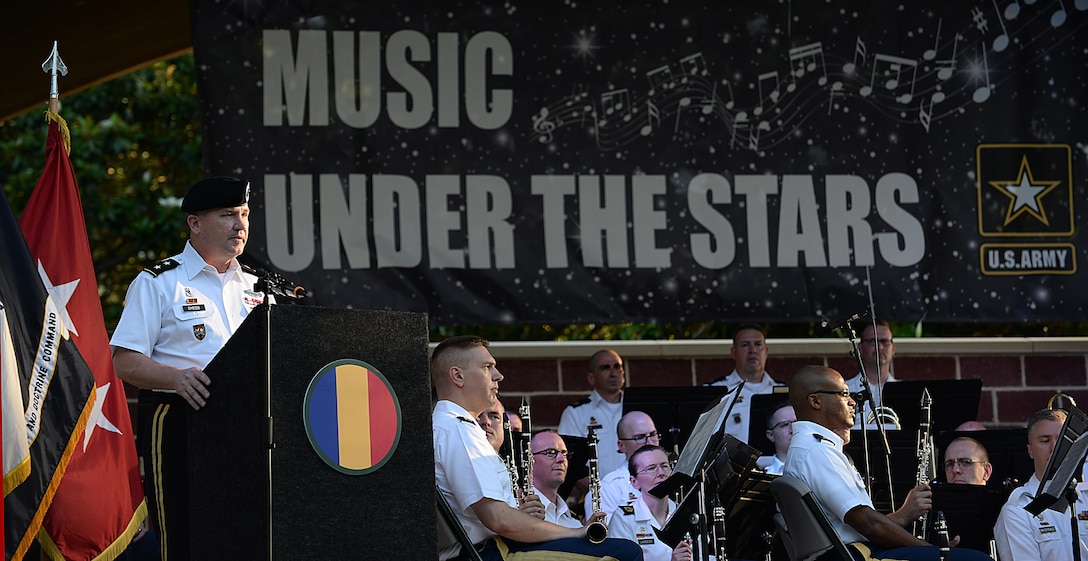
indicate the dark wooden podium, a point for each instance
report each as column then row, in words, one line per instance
column 317, row 512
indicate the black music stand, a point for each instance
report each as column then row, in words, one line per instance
column 703, row 466
column 970, row 511
column 674, row 410
column 1058, row 489
column 577, row 462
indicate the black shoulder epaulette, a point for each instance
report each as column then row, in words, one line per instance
column 718, row 379
column 628, row 510
column 466, row 419
column 581, row 402
column 162, row 266
column 248, row 269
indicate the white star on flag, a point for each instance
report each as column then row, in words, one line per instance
column 97, row 418
column 60, row 296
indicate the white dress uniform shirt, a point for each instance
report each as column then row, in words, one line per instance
column 634, row 522
column 594, row 410
column 740, row 417
column 184, row 316
column 1047, row 537
column 466, row 469
column 557, row 512
column 816, row 457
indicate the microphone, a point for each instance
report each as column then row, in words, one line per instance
column 827, row 326
column 271, row 282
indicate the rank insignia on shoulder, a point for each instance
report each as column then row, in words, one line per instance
column 162, row 266
column 628, row 510
column 580, row 402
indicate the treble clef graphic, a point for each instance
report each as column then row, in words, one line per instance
column 543, row 126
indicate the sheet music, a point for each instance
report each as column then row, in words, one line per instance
column 708, row 424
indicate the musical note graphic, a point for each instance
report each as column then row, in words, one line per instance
column 982, row 93
column 660, row 77
column 836, row 90
column 947, row 66
column 1012, row 10
column 712, row 101
column 684, row 104
column 893, row 75
column 739, row 122
column 1058, row 18
column 773, row 95
column 925, row 117
column 652, row 113
column 542, row 126
column 803, row 59
column 859, row 50
column 931, row 54
column 1002, row 41
column 694, row 65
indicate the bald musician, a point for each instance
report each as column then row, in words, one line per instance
column 823, row 404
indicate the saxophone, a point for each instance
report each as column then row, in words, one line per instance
column 926, row 463
column 597, row 532
column 526, row 449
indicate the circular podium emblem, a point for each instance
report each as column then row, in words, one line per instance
column 352, row 416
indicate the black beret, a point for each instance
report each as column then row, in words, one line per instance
column 216, row 192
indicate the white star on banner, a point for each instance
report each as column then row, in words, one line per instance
column 1026, row 194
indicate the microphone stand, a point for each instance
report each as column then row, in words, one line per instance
column 264, row 286
column 867, row 399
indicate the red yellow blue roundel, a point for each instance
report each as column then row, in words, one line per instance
column 352, row 416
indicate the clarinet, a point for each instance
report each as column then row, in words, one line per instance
column 925, row 457
column 941, row 527
column 511, row 463
column 526, row 448
column 597, row 531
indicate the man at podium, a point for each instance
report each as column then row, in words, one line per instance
column 177, row 316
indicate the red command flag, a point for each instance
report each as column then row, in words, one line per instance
column 100, row 501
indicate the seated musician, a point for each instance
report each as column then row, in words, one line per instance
column 635, row 430
column 824, row 405
column 966, row 461
column 473, row 479
column 780, row 432
column 549, row 472
column 1049, row 536
column 648, row 467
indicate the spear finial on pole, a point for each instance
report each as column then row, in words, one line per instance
column 52, row 65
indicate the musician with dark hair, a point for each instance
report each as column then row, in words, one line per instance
column 877, row 349
column 749, row 352
column 474, row 480
column 824, row 409
column 648, row 467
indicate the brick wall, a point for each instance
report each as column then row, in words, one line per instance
column 1019, row 375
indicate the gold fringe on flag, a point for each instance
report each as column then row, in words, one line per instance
column 63, row 126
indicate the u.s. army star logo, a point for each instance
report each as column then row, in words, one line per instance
column 1025, row 191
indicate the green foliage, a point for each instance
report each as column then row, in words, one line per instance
column 135, row 144
column 136, row 148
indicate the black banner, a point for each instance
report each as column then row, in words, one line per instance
column 685, row 161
